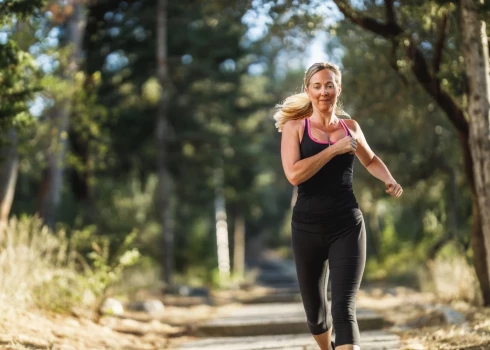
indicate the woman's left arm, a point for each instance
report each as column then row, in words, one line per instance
column 371, row 162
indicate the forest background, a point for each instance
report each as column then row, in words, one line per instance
column 139, row 150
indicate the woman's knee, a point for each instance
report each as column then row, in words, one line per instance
column 344, row 310
column 319, row 326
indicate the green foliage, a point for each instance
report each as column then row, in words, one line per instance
column 18, row 8
column 18, row 78
column 223, row 85
column 17, row 85
column 219, row 116
column 108, row 268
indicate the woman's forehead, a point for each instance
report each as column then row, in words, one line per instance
column 323, row 76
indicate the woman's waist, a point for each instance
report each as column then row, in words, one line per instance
column 338, row 217
column 325, row 203
column 325, row 194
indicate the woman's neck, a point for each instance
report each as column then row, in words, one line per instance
column 326, row 118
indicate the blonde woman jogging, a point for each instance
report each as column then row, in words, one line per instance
column 328, row 233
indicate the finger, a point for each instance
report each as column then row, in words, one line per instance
column 398, row 191
column 390, row 189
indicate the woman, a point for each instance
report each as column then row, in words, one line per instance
column 317, row 152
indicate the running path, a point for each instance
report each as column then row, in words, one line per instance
column 278, row 326
column 278, row 320
column 371, row 340
column 272, row 319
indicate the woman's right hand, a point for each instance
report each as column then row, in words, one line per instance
column 346, row 144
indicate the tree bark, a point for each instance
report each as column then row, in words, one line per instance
column 9, row 167
column 476, row 57
column 51, row 194
column 162, row 132
column 82, row 180
column 222, row 245
column 239, row 247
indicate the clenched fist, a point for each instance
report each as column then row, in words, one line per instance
column 346, row 144
column 394, row 189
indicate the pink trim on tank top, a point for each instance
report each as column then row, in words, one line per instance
column 346, row 129
column 328, row 142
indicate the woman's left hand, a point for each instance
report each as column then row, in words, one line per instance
column 394, row 189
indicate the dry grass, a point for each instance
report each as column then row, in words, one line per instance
column 451, row 278
column 43, row 304
column 31, row 260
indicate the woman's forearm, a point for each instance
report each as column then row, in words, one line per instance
column 379, row 170
column 307, row 167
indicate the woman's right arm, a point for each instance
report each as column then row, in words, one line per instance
column 299, row 170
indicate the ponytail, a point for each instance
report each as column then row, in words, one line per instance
column 295, row 107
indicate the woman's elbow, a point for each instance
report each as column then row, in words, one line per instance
column 370, row 162
column 293, row 180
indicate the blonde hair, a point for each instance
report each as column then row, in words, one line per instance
column 298, row 106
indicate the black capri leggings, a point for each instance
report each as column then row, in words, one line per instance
column 318, row 249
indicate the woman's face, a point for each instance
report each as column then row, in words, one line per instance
column 323, row 90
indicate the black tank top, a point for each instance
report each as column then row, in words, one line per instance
column 327, row 197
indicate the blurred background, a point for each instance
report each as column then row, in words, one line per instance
column 139, row 150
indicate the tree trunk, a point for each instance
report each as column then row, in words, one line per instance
column 9, row 167
column 239, row 247
column 51, row 196
column 82, row 180
column 476, row 57
column 221, row 227
column 162, row 132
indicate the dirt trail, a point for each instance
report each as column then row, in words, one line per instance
column 420, row 320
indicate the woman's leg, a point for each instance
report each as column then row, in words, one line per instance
column 347, row 258
column 324, row 340
column 310, row 255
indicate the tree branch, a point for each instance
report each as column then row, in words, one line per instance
column 390, row 11
column 432, row 85
column 393, row 62
column 388, row 30
column 419, row 65
column 441, row 35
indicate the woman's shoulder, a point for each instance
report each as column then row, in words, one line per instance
column 295, row 129
column 295, row 125
column 352, row 124
column 354, row 127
